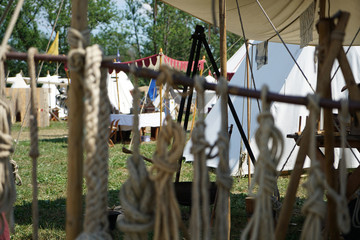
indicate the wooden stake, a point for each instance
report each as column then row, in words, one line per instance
column 75, row 146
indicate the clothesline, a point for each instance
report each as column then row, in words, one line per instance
column 181, row 79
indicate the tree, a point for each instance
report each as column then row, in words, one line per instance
column 35, row 25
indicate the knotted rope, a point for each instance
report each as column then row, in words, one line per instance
column 270, row 144
column 165, row 164
column 34, row 149
column 314, row 207
column 7, row 186
column 136, row 193
column 200, row 214
column 167, row 213
column 96, row 121
column 223, row 178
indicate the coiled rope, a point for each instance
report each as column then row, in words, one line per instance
column 97, row 110
column 200, row 214
column 136, row 194
column 223, row 178
column 270, row 143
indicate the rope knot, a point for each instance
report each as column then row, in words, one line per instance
column 5, row 145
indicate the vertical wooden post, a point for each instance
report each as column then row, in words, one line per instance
column 248, row 113
column 223, row 65
column 75, row 141
column 324, row 90
column 160, row 90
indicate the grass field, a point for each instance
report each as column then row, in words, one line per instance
column 52, row 181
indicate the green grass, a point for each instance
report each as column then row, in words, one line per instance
column 52, row 181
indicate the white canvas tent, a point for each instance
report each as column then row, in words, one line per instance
column 120, row 92
column 17, row 81
column 284, row 14
column 281, row 75
column 287, row 116
column 272, row 74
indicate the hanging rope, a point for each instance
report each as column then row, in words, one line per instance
column 165, row 164
column 223, row 178
column 34, row 149
column 97, row 110
column 136, row 194
column 200, row 214
column 314, row 207
column 270, row 143
column 7, row 186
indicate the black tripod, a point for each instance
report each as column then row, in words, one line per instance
column 199, row 39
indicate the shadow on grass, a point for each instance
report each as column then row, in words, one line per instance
column 52, row 213
column 54, row 140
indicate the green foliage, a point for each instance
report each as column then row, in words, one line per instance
column 138, row 30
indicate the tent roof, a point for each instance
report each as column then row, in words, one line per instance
column 283, row 13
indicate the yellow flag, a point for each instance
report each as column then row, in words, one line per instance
column 54, row 48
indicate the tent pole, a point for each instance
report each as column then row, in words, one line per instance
column 160, row 89
column 75, row 148
column 117, row 88
column 248, row 111
column 223, row 65
column 196, row 45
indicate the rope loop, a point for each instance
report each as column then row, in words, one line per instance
column 314, row 208
column 77, row 41
column 167, row 212
column 270, row 143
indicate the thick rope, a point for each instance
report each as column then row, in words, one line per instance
column 96, row 168
column 96, row 121
column 223, row 178
column 167, row 213
column 200, row 214
column 270, row 144
column 165, row 164
column 7, row 187
column 136, row 193
column 314, row 207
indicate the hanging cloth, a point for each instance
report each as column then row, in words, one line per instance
column 307, row 25
column 261, row 54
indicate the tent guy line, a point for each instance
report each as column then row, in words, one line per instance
column 186, row 81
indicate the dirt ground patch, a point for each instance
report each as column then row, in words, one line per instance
column 44, row 133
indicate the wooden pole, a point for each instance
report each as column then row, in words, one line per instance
column 117, row 88
column 160, row 90
column 248, row 112
column 75, row 148
column 223, row 65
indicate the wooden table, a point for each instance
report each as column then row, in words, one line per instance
column 353, row 182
